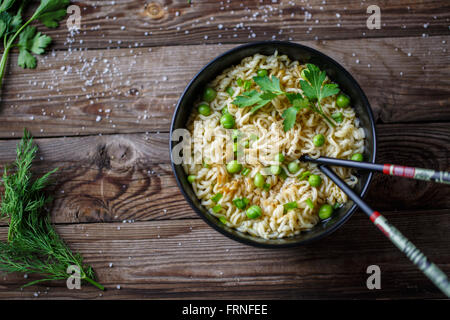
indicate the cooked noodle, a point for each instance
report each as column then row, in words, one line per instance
column 264, row 130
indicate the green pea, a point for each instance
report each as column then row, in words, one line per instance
column 234, row 166
column 254, row 212
column 258, row 180
column 293, row 167
column 225, row 110
column 357, row 157
column 275, row 169
column 338, row 117
column 204, row 109
column 209, row 94
column 279, row 158
column 191, row 178
column 342, row 100
column 230, row 91
column 325, row 211
column 227, row 121
column 314, row 180
column 262, row 73
column 319, row 140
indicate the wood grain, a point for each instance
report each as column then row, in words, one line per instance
column 135, row 90
column 187, row 259
column 128, row 177
column 101, row 102
column 128, row 23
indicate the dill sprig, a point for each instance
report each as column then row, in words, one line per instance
column 33, row 246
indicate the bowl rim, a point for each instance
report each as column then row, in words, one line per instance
column 247, row 241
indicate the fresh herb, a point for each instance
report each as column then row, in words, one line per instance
column 217, row 197
column 270, row 89
column 290, row 114
column 290, row 205
column 313, row 87
column 223, row 219
column 49, row 12
column 245, row 171
column 33, row 246
column 247, row 84
column 304, row 175
column 337, row 205
column 217, row 208
column 241, row 203
column 309, row 203
column 283, row 175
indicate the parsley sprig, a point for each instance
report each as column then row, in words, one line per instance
column 12, row 27
column 33, row 245
column 314, row 90
column 270, row 89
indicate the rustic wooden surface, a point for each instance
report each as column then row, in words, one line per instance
column 100, row 104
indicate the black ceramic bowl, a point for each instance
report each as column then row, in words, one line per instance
column 296, row 52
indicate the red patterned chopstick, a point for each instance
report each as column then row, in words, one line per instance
column 389, row 169
column 431, row 270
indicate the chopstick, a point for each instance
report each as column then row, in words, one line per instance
column 399, row 240
column 389, row 169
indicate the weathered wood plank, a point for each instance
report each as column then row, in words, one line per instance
column 135, row 90
column 187, row 259
column 128, row 177
column 126, row 23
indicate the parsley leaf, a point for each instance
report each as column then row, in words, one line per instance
column 30, row 41
column 315, row 89
column 259, row 105
column 5, row 21
column 290, row 114
column 6, row 4
column 270, row 89
column 247, row 99
column 269, row 84
column 50, row 12
column 40, row 42
column 26, row 60
column 12, row 27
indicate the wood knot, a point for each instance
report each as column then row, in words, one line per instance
column 154, row 10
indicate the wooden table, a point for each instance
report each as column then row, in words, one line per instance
column 100, row 105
